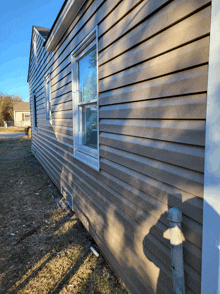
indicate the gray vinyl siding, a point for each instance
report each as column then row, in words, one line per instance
column 153, row 62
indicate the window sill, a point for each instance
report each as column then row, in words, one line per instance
column 87, row 159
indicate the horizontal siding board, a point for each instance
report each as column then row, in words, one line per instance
column 61, row 82
column 191, row 55
column 157, row 190
column 80, row 31
column 63, row 122
column 183, row 179
column 187, row 221
column 187, row 132
column 190, row 157
column 40, row 71
column 121, row 11
column 94, row 233
column 186, row 107
column 192, row 279
column 63, row 115
column 154, row 47
column 80, row 21
column 59, row 129
column 97, row 234
column 137, row 15
column 62, row 74
column 59, row 137
column 37, row 59
column 62, row 99
column 55, row 142
column 192, row 255
column 159, row 201
column 164, row 19
column 64, row 67
column 130, row 274
column 182, row 83
column 128, row 242
column 150, row 239
column 152, row 133
column 67, row 88
column 107, row 190
column 61, row 107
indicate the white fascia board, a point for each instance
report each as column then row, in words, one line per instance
column 210, row 283
column 67, row 16
column 42, row 38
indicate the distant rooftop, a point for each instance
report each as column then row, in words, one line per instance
column 43, row 31
column 21, row 106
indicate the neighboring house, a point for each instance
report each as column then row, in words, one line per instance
column 125, row 110
column 22, row 114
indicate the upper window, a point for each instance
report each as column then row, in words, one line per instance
column 47, row 97
column 85, row 101
column 35, row 110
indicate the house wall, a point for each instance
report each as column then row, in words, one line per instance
column 18, row 115
column 153, row 62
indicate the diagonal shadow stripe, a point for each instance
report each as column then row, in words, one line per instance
column 70, row 273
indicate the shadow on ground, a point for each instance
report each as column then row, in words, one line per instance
column 44, row 248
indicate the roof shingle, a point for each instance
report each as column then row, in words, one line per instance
column 21, row 106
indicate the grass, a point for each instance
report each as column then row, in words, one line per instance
column 44, row 249
column 12, row 130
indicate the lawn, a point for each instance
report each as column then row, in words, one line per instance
column 44, row 249
column 12, row 130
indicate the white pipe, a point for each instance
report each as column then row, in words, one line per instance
column 175, row 219
column 94, row 251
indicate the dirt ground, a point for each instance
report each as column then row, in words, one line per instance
column 43, row 248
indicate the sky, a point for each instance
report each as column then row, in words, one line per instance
column 16, row 21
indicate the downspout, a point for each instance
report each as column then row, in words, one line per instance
column 175, row 219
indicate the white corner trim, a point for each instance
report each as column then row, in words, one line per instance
column 67, row 16
column 211, row 208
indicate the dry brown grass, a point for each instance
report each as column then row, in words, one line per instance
column 44, row 249
column 12, row 130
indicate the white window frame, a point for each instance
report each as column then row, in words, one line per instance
column 34, row 111
column 83, row 153
column 48, row 97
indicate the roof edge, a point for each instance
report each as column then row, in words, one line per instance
column 64, row 19
column 39, row 31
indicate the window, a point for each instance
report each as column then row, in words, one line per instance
column 85, row 101
column 27, row 117
column 47, row 97
column 35, row 110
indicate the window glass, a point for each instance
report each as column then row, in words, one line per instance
column 27, row 117
column 89, row 125
column 88, row 77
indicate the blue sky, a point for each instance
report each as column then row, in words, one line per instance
column 16, row 21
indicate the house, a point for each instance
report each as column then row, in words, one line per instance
column 125, row 107
column 21, row 114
